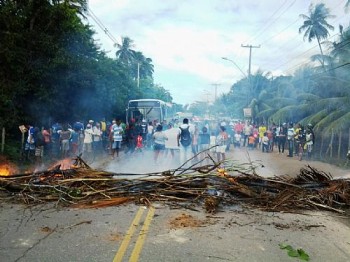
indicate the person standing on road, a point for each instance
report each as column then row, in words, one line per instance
column 204, row 141
column 87, row 148
column 171, row 144
column 47, row 138
column 184, row 140
column 290, row 138
column 64, row 138
column 248, row 129
column 221, row 141
column 139, row 143
column 195, row 138
column 262, row 130
column 117, row 130
column 282, row 136
column 265, row 143
column 237, row 139
column 97, row 138
column 150, row 130
column 309, row 143
column 159, row 138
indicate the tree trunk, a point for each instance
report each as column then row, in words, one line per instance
column 3, row 140
column 319, row 44
column 330, row 146
column 339, row 144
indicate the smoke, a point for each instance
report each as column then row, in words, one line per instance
column 142, row 163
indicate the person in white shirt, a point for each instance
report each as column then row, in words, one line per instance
column 87, row 146
column 97, row 138
column 159, row 142
column 150, row 130
column 290, row 138
column 171, row 144
column 118, row 131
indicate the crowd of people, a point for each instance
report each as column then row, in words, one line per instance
column 181, row 141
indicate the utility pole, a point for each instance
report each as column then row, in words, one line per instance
column 250, row 56
column 216, row 90
column 138, row 75
column 249, row 68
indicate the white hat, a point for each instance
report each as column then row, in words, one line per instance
column 91, row 121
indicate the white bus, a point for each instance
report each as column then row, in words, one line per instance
column 148, row 110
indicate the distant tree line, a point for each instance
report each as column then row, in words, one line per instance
column 317, row 93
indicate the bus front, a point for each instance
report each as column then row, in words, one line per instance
column 144, row 109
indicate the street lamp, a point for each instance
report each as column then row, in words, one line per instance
column 233, row 62
column 250, row 88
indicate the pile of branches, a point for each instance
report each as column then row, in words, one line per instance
column 210, row 186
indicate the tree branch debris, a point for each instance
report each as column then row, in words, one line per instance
column 209, row 186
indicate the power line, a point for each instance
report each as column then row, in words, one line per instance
column 329, row 70
column 101, row 25
column 280, row 32
column 303, row 53
column 258, row 32
column 269, row 24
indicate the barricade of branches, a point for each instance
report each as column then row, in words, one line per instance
column 210, row 186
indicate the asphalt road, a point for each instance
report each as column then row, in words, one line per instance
column 44, row 233
column 161, row 233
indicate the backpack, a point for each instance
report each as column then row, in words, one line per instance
column 185, row 136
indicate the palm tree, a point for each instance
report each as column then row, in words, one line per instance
column 80, row 6
column 144, row 65
column 125, row 53
column 315, row 25
column 341, row 49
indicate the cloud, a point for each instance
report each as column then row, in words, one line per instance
column 186, row 39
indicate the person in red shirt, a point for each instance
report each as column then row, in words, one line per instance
column 139, row 144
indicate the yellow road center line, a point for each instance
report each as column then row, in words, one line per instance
column 142, row 236
column 123, row 246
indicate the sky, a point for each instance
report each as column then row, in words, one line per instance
column 186, row 40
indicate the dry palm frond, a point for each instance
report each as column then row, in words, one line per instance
column 85, row 187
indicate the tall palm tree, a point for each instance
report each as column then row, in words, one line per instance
column 315, row 25
column 125, row 53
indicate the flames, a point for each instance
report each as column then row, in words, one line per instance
column 63, row 164
column 7, row 169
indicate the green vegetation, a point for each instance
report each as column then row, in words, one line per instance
column 52, row 70
column 297, row 253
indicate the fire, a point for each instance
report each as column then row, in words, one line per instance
column 7, row 169
column 64, row 164
column 4, row 171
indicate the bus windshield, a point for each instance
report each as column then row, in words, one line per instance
column 145, row 109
